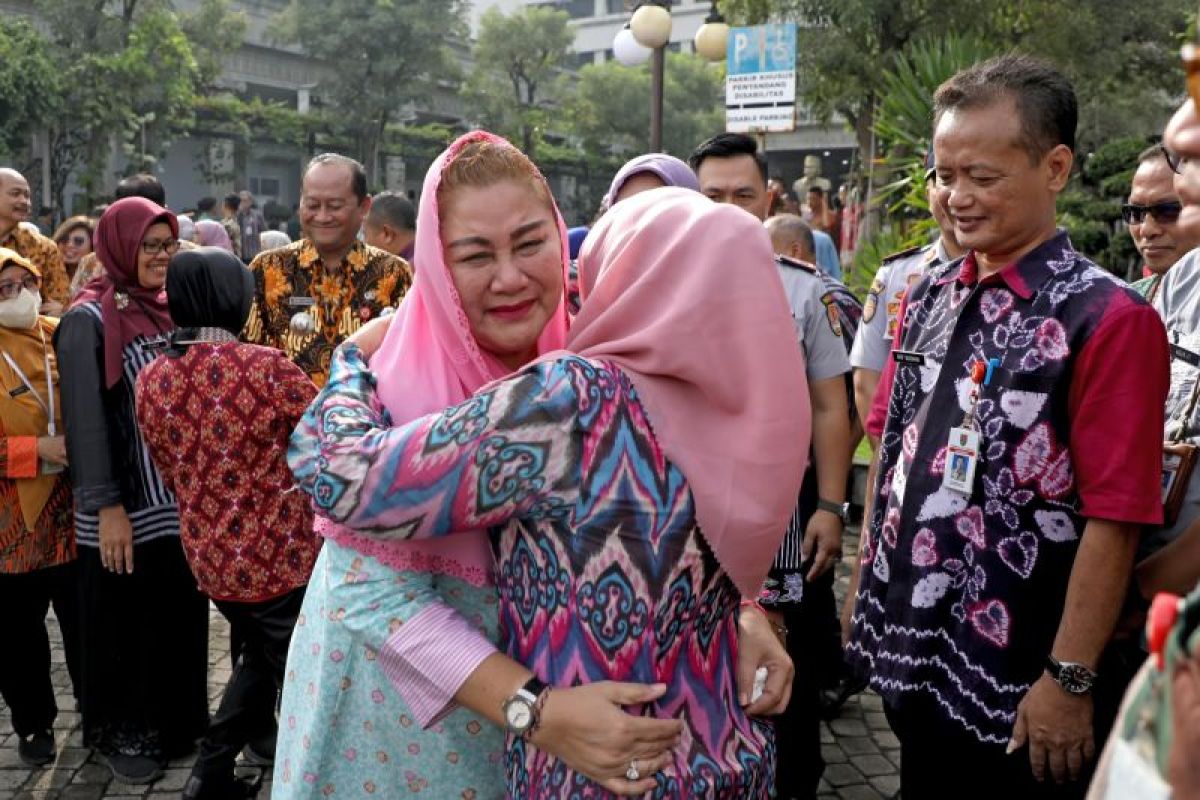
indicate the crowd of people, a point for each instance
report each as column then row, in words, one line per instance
column 495, row 508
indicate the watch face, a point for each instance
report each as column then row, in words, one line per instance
column 1075, row 678
column 518, row 715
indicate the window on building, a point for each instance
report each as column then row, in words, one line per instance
column 264, row 187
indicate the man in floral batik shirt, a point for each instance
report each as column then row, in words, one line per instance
column 1009, row 499
column 312, row 294
column 15, row 207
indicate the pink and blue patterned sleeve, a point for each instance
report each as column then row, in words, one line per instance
column 504, row 453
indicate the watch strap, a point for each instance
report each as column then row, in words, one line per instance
column 843, row 513
column 533, row 689
column 1057, row 670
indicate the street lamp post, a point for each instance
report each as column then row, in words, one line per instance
column 646, row 37
column 651, row 27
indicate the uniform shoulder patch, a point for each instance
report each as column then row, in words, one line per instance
column 786, row 261
column 912, row 251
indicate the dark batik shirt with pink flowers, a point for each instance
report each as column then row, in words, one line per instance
column 961, row 595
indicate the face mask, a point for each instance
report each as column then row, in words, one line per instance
column 20, row 312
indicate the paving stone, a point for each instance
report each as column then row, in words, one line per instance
column 857, row 745
column 872, row 765
column 886, row 739
column 55, row 778
column 842, row 775
column 848, row 727
column 888, row 785
column 870, row 701
column 833, row 754
column 859, row 791
column 93, row 773
column 72, row 757
column 861, row 753
column 877, row 721
column 12, row 778
column 82, row 792
column 172, row 780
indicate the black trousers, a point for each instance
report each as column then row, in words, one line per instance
column 145, row 653
column 247, row 710
column 814, row 643
column 940, row 760
column 25, row 669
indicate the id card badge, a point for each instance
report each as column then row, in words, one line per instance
column 962, row 457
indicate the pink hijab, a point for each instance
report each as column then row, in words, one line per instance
column 683, row 294
column 429, row 360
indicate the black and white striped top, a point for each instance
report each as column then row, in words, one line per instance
column 125, row 473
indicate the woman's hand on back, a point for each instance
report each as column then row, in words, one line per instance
column 588, row 728
column 370, row 336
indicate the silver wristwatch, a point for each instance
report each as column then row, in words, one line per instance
column 1072, row 677
column 522, row 711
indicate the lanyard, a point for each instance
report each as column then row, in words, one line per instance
column 47, row 404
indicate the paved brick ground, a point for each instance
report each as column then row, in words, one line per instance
column 862, row 754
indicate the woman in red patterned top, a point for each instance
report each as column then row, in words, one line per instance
column 37, row 531
column 216, row 415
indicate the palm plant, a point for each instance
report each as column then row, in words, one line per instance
column 903, row 127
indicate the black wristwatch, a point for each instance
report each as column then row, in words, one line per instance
column 522, row 711
column 842, row 510
column 1073, row 678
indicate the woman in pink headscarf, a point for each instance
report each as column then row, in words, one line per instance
column 640, row 483
column 210, row 233
column 401, row 630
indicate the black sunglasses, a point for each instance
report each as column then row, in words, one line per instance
column 1163, row 213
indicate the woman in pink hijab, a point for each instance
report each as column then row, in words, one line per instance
column 400, row 630
column 213, row 234
column 640, row 481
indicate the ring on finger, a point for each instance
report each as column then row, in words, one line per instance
column 632, row 773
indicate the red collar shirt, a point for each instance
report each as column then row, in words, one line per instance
column 962, row 594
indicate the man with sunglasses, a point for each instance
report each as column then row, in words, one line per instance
column 1168, row 556
column 1152, row 215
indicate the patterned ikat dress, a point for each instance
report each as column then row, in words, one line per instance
column 603, row 573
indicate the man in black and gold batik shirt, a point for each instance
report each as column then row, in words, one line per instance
column 314, row 293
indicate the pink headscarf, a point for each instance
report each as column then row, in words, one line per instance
column 213, row 234
column 429, row 360
column 683, row 294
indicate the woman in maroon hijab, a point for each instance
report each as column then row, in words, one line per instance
column 144, row 624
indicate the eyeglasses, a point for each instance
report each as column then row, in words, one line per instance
column 10, row 289
column 78, row 241
column 1175, row 161
column 168, row 246
column 1164, row 213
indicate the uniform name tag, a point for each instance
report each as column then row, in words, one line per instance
column 962, row 457
column 17, row 392
column 908, row 357
column 1185, row 355
column 302, row 302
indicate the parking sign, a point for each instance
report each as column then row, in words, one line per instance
column 760, row 87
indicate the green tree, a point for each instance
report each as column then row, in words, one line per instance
column 29, row 85
column 609, row 107
column 845, row 47
column 517, row 58
column 1119, row 62
column 383, row 55
column 128, row 75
